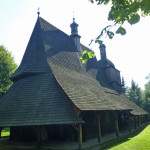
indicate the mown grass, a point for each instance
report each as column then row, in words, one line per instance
column 5, row 132
column 139, row 142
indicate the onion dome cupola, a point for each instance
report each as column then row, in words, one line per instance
column 74, row 34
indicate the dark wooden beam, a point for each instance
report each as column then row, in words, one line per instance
column 129, row 121
column 144, row 118
column 80, row 136
column 38, row 135
column 99, row 130
column 97, row 115
column 61, row 131
column 1, row 131
column 135, row 121
column 138, row 120
column 116, row 123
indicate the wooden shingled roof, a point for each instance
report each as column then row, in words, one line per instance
column 51, row 75
column 94, row 68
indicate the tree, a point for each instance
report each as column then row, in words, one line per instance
column 135, row 93
column 7, row 67
column 146, row 95
column 121, row 11
column 124, row 87
column 126, row 10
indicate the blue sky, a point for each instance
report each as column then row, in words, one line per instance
column 129, row 53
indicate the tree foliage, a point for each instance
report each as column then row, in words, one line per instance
column 141, row 98
column 134, row 93
column 146, row 95
column 122, row 11
column 7, row 67
column 126, row 10
column 124, row 87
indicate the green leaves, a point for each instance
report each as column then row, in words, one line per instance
column 110, row 34
column 121, row 31
column 7, row 67
column 99, row 41
column 134, row 19
column 86, row 55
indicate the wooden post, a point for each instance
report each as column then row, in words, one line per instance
column 80, row 136
column 144, row 119
column 129, row 121
column 97, row 115
column 138, row 120
column 1, row 131
column 39, row 138
column 147, row 118
column 99, row 130
column 61, row 131
column 135, row 122
column 116, row 124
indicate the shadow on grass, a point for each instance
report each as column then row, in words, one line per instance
column 125, row 140
column 116, row 144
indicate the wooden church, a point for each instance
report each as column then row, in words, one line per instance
column 55, row 96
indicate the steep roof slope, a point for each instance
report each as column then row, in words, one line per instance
column 64, row 60
column 35, row 98
column 48, row 78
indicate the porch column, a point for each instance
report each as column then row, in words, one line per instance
column 116, row 123
column 135, row 121
column 80, row 136
column 129, row 121
column 98, row 117
column 144, row 118
column 138, row 119
column 147, row 118
column 99, row 129
column 39, row 138
column 61, row 131
column 1, row 131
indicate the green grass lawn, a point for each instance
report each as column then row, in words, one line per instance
column 5, row 132
column 139, row 142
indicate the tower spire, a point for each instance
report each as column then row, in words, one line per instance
column 74, row 28
column 38, row 12
column 74, row 34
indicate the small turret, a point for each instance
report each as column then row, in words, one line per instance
column 103, row 51
column 74, row 34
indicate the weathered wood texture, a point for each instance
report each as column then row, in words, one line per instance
column 129, row 121
column 135, row 122
column 80, row 136
column 116, row 123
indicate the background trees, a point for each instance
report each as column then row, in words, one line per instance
column 139, row 96
column 7, row 67
column 146, row 95
column 134, row 93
